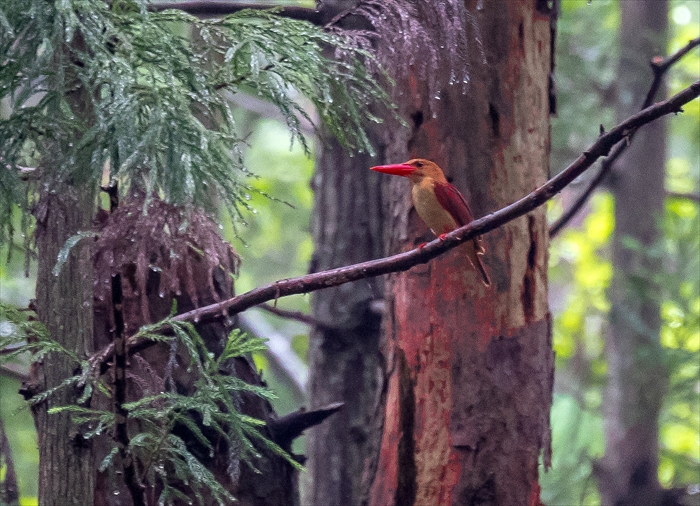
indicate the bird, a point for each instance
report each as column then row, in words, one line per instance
column 439, row 204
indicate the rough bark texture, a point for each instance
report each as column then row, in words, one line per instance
column 156, row 262
column 344, row 354
column 471, row 368
column 64, row 305
column 159, row 261
column 637, row 380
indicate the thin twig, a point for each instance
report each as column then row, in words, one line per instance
column 573, row 209
column 293, row 315
column 688, row 196
column 659, row 67
column 12, row 348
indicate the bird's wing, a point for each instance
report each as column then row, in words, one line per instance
column 454, row 202
column 449, row 197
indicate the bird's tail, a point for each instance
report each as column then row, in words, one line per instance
column 474, row 251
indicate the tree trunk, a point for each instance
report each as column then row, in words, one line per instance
column 344, row 353
column 344, row 360
column 177, row 273
column 79, row 313
column 470, row 367
column 64, row 305
column 637, row 379
column 78, row 308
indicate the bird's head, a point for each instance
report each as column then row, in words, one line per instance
column 415, row 170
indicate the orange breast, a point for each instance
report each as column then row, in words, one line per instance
column 429, row 209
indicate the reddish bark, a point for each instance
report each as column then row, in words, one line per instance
column 471, row 367
column 407, row 259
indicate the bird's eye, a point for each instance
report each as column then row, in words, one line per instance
column 419, row 164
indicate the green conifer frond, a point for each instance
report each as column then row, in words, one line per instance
column 22, row 332
column 88, row 87
column 87, row 83
column 210, row 409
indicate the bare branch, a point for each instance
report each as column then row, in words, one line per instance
column 687, row 196
column 218, row 8
column 659, row 66
column 406, row 260
column 293, row 315
column 12, row 348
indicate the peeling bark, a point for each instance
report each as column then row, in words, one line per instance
column 158, row 262
column 155, row 261
column 471, row 368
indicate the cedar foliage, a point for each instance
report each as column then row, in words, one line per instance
column 109, row 92
column 156, row 113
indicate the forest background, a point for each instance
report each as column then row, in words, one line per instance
column 277, row 244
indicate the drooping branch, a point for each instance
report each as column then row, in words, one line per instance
column 406, row 260
column 659, row 67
